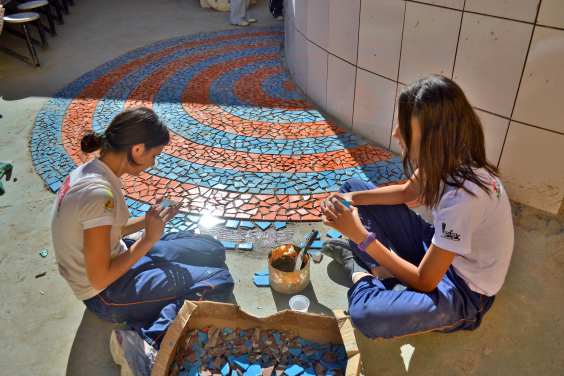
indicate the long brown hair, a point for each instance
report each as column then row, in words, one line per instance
column 452, row 138
column 136, row 125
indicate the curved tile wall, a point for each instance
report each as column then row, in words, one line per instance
column 353, row 57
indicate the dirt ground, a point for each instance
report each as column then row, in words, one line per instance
column 47, row 331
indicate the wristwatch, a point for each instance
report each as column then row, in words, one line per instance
column 369, row 239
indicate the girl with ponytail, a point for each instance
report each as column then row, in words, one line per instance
column 144, row 282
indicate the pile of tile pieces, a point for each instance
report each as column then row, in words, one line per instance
column 255, row 352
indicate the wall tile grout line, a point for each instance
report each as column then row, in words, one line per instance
column 458, row 41
column 469, row 11
column 397, row 81
column 356, row 65
column 520, row 80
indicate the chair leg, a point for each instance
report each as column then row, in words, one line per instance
column 44, row 43
column 34, row 58
column 57, row 6
column 65, row 6
column 50, row 19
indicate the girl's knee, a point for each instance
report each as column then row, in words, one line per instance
column 354, row 185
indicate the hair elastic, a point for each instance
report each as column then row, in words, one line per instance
column 103, row 137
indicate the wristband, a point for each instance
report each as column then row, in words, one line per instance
column 369, row 239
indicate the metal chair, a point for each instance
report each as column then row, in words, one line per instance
column 24, row 19
column 41, row 6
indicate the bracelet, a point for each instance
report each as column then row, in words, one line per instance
column 369, row 239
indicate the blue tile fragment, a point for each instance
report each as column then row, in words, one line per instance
column 253, row 370
column 279, row 225
column 242, row 362
column 261, row 280
column 334, row 234
column 225, row 369
column 246, row 246
column 262, row 272
column 232, row 224
column 247, row 224
column 317, row 244
column 263, row 225
column 293, row 370
column 276, row 336
column 228, row 245
column 296, row 351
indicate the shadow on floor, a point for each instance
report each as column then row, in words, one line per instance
column 90, row 352
column 337, row 274
column 282, row 301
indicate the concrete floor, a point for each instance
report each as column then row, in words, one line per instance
column 47, row 331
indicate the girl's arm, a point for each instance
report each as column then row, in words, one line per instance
column 390, row 195
column 424, row 277
column 134, row 224
column 101, row 269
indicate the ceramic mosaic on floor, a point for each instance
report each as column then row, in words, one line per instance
column 244, row 144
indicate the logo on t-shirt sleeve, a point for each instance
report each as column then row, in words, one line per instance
column 63, row 189
column 450, row 235
column 108, row 201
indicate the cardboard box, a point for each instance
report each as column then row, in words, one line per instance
column 315, row 328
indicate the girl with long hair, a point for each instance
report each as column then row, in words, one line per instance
column 411, row 276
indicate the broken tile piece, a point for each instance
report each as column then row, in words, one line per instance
column 253, row 370
column 261, row 280
column 247, row 224
column 293, row 370
column 276, row 336
column 334, row 234
column 246, row 246
column 279, row 225
column 224, row 369
column 317, row 244
column 228, row 245
column 232, row 224
column 295, row 351
column 262, row 272
column 316, row 256
column 242, row 362
column 263, row 225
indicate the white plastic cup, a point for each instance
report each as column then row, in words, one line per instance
column 299, row 303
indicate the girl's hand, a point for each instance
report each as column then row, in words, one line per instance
column 155, row 220
column 346, row 221
column 328, row 202
column 174, row 209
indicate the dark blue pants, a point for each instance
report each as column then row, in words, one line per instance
column 180, row 266
column 378, row 311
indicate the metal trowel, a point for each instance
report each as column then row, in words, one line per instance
column 309, row 241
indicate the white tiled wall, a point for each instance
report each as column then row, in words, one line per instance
column 531, row 164
column 495, row 129
column 301, row 7
column 353, row 58
column 317, row 75
column 429, row 42
column 340, row 89
column 343, row 28
column 318, row 23
column 551, row 13
column 379, row 39
column 300, row 61
column 374, row 107
column 456, row 4
column 542, row 88
column 489, row 61
column 522, row 10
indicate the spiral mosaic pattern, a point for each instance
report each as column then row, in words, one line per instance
column 244, row 144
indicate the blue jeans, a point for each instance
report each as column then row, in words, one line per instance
column 378, row 311
column 180, row 266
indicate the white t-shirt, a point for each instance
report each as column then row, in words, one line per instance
column 90, row 197
column 479, row 230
